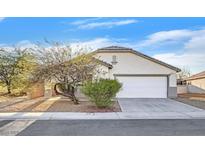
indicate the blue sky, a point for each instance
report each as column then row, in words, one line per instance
column 177, row 41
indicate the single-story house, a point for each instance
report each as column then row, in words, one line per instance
column 197, row 80
column 142, row 76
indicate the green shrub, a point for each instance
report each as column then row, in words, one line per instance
column 101, row 91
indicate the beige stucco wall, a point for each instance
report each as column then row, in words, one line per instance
column 102, row 72
column 172, row 80
column 129, row 63
column 200, row 83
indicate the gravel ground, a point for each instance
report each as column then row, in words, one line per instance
column 55, row 104
column 199, row 103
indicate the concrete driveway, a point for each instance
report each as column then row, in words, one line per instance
column 154, row 105
column 158, row 109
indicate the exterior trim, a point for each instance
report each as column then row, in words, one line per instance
column 115, row 49
column 168, row 86
column 146, row 75
column 103, row 63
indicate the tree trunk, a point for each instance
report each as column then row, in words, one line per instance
column 74, row 99
column 72, row 91
column 68, row 93
column 55, row 89
column 8, row 87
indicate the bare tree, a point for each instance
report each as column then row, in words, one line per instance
column 13, row 62
column 67, row 67
column 185, row 73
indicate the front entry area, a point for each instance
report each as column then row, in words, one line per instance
column 143, row 86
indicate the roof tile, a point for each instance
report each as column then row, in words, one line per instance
column 196, row 76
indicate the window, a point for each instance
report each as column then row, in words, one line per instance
column 114, row 59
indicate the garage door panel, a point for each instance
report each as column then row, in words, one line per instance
column 143, row 87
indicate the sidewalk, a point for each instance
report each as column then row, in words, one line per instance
column 107, row 115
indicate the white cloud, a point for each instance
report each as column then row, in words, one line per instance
column 192, row 53
column 2, row 18
column 94, row 43
column 83, row 21
column 189, row 60
column 105, row 24
column 172, row 36
column 196, row 44
column 25, row 44
column 2, row 45
column 103, row 42
column 21, row 44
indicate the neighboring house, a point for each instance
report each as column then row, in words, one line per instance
column 197, row 81
column 142, row 76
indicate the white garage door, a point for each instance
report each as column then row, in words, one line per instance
column 143, row 87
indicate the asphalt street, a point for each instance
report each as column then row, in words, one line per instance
column 139, row 127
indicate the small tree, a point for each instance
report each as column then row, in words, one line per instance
column 67, row 67
column 101, row 91
column 15, row 65
column 184, row 73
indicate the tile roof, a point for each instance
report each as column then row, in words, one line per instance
column 115, row 48
column 197, row 76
